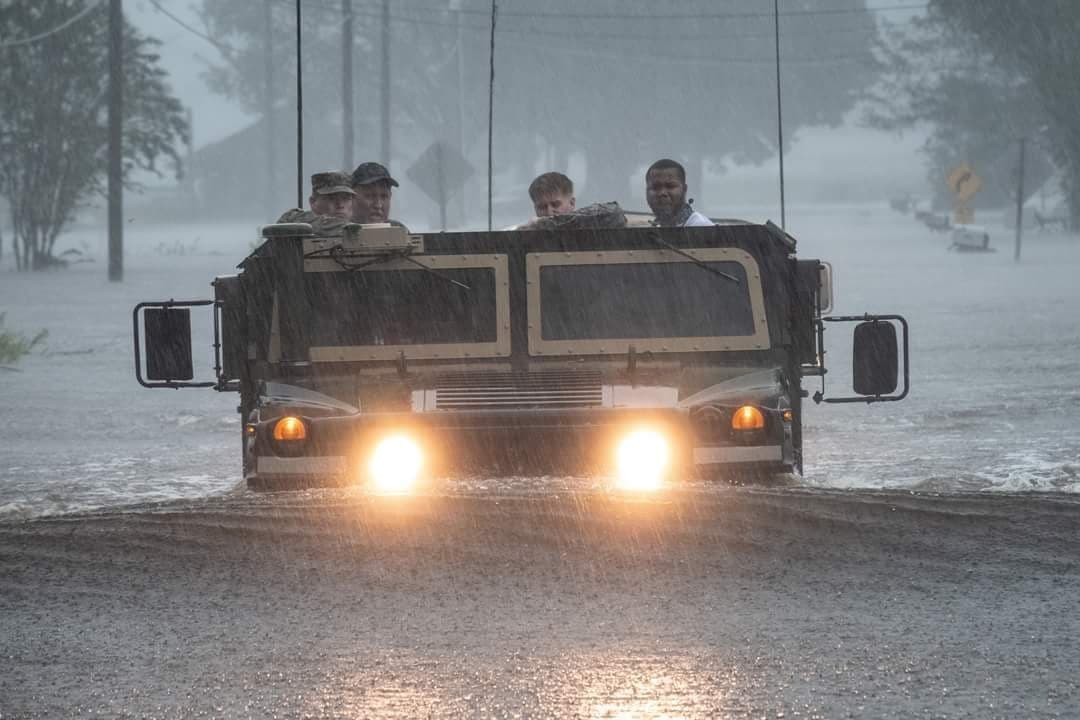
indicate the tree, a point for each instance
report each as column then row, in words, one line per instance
column 53, row 120
column 618, row 82
column 1038, row 43
column 982, row 75
column 628, row 81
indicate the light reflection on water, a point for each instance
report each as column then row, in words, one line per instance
column 657, row 688
column 598, row 686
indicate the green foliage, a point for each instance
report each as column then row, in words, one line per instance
column 982, row 75
column 53, row 120
column 13, row 345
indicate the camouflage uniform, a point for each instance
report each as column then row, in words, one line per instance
column 326, row 183
column 597, row 215
column 321, row 224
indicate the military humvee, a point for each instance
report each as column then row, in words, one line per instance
column 642, row 354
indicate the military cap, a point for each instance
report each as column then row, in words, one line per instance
column 372, row 172
column 330, row 183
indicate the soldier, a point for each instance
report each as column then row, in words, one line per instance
column 331, row 204
column 371, row 182
column 665, row 191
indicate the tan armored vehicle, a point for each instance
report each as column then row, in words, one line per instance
column 646, row 355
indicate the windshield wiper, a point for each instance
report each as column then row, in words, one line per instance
column 434, row 272
column 655, row 237
column 337, row 253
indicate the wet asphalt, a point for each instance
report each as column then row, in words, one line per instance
column 701, row 603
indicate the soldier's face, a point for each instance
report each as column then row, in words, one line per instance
column 372, row 203
column 664, row 191
column 553, row 204
column 339, row 205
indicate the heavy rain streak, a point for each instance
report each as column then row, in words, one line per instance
column 491, row 351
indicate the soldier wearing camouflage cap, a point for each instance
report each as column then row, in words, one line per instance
column 331, row 204
column 332, row 194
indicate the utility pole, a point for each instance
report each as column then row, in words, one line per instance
column 384, row 151
column 1019, row 200
column 347, row 80
column 116, row 137
column 779, row 113
column 269, row 121
column 299, row 107
column 491, row 105
column 462, row 200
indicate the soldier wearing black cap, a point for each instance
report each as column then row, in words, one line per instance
column 372, row 182
column 331, row 204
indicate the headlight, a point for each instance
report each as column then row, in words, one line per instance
column 395, row 464
column 642, row 459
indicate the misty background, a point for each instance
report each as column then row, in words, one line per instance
column 590, row 94
column 595, row 90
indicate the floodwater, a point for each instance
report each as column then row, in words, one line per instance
column 926, row 565
column 995, row 369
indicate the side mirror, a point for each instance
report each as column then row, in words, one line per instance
column 167, row 328
column 875, row 358
column 168, row 344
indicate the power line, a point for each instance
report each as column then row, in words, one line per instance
column 222, row 47
column 613, row 53
column 682, row 37
column 720, row 15
column 703, row 60
column 67, row 23
column 705, row 35
column 669, row 16
column 652, row 17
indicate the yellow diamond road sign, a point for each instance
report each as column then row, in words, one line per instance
column 963, row 182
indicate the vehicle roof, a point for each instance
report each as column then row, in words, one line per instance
column 759, row 239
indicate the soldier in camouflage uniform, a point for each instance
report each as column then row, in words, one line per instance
column 331, row 204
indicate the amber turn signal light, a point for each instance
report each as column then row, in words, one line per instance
column 747, row 417
column 290, row 428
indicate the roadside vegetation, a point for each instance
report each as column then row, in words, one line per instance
column 53, row 121
column 982, row 76
column 14, row 346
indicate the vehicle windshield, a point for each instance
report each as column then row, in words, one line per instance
column 401, row 307
column 644, row 300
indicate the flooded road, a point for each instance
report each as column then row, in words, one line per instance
column 995, row 355
column 926, row 565
column 708, row 602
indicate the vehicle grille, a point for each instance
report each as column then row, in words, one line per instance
column 494, row 390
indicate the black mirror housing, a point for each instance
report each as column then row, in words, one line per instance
column 168, row 344
column 875, row 358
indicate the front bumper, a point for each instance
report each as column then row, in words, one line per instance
column 505, row 442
